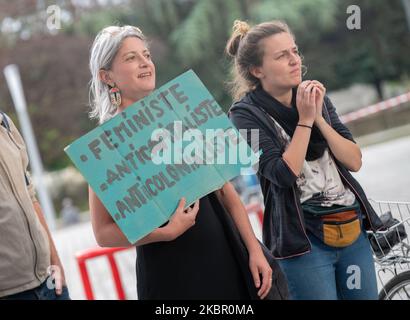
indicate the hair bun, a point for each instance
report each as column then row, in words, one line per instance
column 240, row 29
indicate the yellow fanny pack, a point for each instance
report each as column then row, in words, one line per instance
column 341, row 229
column 336, row 229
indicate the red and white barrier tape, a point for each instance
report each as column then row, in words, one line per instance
column 374, row 108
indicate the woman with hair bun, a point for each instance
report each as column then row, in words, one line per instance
column 316, row 213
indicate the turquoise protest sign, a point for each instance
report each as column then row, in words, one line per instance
column 176, row 142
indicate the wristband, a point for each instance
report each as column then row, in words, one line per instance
column 304, row 125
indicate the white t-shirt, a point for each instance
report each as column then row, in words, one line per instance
column 319, row 180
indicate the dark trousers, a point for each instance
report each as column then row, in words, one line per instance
column 42, row 292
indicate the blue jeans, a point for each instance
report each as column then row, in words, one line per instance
column 328, row 273
column 42, row 292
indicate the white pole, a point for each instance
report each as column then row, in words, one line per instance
column 12, row 75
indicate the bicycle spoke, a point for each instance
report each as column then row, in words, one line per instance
column 407, row 294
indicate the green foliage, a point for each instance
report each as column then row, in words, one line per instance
column 192, row 38
column 375, row 53
column 92, row 22
column 309, row 16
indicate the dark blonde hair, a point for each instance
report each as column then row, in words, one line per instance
column 245, row 48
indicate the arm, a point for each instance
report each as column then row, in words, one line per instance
column 346, row 151
column 280, row 166
column 338, row 137
column 108, row 234
column 56, row 269
column 233, row 204
column 271, row 164
column 58, row 273
column 257, row 261
column 295, row 153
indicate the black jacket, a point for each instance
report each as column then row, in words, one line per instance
column 284, row 231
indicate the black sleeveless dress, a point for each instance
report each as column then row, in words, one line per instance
column 202, row 263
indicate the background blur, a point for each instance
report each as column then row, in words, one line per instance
column 359, row 67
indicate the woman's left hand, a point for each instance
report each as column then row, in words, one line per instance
column 320, row 96
column 259, row 266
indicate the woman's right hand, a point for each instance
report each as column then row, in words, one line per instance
column 306, row 102
column 182, row 219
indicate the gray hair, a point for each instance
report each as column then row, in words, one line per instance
column 103, row 51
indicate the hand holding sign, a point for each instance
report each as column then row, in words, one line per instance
column 182, row 219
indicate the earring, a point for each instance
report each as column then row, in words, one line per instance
column 115, row 96
column 304, row 70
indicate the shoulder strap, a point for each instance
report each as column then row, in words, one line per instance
column 5, row 122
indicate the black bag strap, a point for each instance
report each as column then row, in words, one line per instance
column 5, row 122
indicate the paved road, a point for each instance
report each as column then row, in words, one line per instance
column 385, row 174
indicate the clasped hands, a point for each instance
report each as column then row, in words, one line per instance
column 309, row 101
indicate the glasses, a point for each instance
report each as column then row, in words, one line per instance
column 114, row 30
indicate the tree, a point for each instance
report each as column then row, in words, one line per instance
column 187, row 34
column 379, row 51
column 54, row 72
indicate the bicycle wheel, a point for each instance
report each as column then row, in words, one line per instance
column 397, row 288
